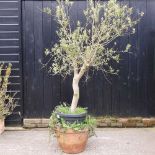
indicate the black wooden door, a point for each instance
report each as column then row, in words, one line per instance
column 42, row 92
column 11, row 52
column 131, row 93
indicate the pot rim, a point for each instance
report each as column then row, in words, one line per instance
column 74, row 131
column 72, row 115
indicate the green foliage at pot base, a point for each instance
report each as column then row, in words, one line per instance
column 55, row 122
column 65, row 109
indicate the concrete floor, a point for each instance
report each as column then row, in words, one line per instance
column 115, row 141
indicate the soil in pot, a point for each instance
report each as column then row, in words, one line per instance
column 71, row 141
column 1, row 126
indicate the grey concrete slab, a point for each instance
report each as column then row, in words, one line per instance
column 115, row 141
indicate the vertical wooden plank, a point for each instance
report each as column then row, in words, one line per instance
column 133, row 65
column 28, row 31
column 20, row 57
column 48, row 91
column 38, row 54
column 136, row 88
column 56, row 86
column 107, row 100
column 141, row 64
column 123, row 76
column 106, row 90
column 150, row 57
column 99, row 107
column 119, row 82
column 51, row 83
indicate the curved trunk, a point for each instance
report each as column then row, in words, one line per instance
column 75, row 85
column 76, row 93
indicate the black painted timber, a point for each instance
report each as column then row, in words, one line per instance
column 10, row 51
column 131, row 93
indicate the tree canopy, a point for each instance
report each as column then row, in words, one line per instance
column 86, row 45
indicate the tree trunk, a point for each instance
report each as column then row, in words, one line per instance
column 76, row 94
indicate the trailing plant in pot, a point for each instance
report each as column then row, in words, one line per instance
column 88, row 45
column 7, row 101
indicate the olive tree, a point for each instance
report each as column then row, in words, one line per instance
column 87, row 45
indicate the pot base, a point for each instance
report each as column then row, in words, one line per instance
column 72, row 142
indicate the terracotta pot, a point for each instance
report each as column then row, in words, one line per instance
column 71, row 141
column 1, row 126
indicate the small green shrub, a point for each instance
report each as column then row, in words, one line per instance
column 7, row 101
column 64, row 108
